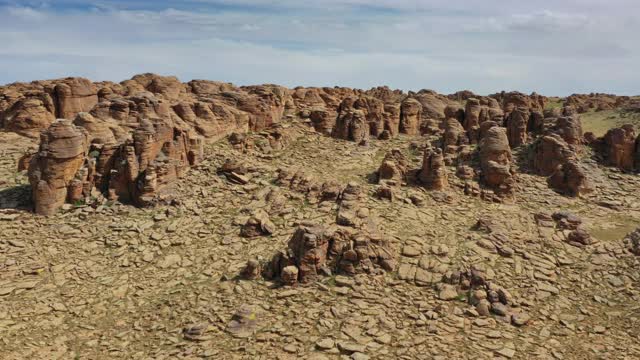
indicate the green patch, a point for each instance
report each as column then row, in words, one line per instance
column 599, row 122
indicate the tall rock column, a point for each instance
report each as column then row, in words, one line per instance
column 54, row 168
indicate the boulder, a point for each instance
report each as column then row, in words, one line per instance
column 74, row 95
column 28, row 116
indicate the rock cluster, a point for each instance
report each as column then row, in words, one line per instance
column 486, row 296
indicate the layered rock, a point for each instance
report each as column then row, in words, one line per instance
column 619, row 148
column 54, row 171
column 74, row 95
column 316, row 250
column 548, row 153
column 434, row 172
column 394, row 167
column 517, row 124
column 29, row 116
column 571, row 179
column 410, row 117
column 569, row 128
column 496, row 161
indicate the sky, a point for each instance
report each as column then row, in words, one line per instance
column 553, row 47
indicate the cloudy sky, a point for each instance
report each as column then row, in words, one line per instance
column 556, row 47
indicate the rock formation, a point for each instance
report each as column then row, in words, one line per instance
column 495, row 161
column 571, row 179
column 434, row 172
column 315, row 251
column 517, row 124
column 548, row 153
column 410, row 117
column 619, row 147
column 394, row 167
column 54, row 171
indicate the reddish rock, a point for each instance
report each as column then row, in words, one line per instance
column 56, row 165
column 496, row 161
column 394, row 167
column 548, row 153
column 619, row 147
column 571, row 179
column 28, row 116
column 570, row 129
column 410, row 117
column 74, row 95
column 517, row 124
column 434, row 172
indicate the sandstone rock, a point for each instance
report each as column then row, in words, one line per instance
column 548, row 153
column 495, row 160
column 351, row 125
column 258, row 224
column 517, row 124
column 27, row 117
column 316, row 250
column 74, row 95
column 244, row 322
column 570, row 129
column 433, row 173
column 571, row 179
column 56, row 165
column 394, row 167
column 410, row 117
column 619, row 147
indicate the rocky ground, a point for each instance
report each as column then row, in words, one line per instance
column 115, row 281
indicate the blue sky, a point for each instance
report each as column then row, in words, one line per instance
column 555, row 47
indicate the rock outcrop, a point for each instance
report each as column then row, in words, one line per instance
column 548, row 153
column 410, row 117
column 394, row 168
column 434, row 172
column 619, row 148
column 517, row 124
column 571, row 179
column 315, row 251
column 496, row 161
column 54, row 173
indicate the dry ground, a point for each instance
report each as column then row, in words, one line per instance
column 118, row 282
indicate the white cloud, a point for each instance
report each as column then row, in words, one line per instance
column 551, row 51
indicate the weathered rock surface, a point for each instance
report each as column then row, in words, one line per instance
column 548, row 153
column 54, row 171
column 517, row 124
column 395, row 167
column 619, row 147
column 434, row 172
column 571, row 179
column 496, row 160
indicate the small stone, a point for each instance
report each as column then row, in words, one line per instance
column 599, row 329
column 447, row 292
column 520, row 319
column 325, row 344
column 506, row 352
